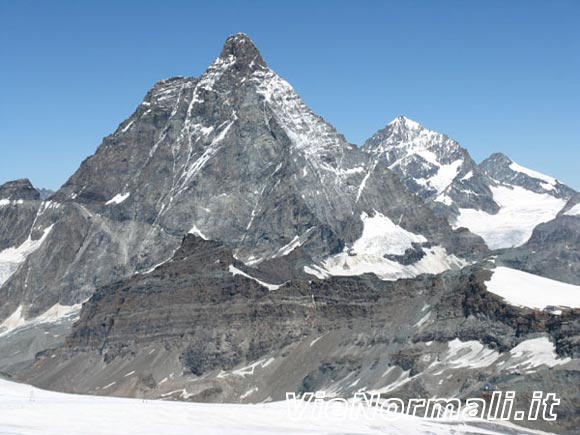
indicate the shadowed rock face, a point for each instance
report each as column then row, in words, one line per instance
column 19, row 189
column 178, row 299
column 19, row 205
column 234, row 155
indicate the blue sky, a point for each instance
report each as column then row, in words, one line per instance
column 495, row 75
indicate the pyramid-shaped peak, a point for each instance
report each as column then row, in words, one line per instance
column 500, row 157
column 404, row 122
column 243, row 49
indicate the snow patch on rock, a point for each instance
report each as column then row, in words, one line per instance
column 532, row 291
column 11, row 258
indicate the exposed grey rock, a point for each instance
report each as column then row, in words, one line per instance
column 191, row 329
column 501, row 168
column 234, row 155
column 19, row 189
column 553, row 250
column 19, row 205
column 45, row 193
column 433, row 166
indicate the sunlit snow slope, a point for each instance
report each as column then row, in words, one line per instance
column 26, row 410
column 520, row 212
column 532, row 291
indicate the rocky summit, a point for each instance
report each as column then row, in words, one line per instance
column 226, row 244
column 433, row 166
column 235, row 156
column 498, row 199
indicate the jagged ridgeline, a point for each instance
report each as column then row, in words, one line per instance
column 235, row 156
column 228, row 244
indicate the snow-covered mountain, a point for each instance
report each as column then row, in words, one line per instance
column 498, row 199
column 553, row 250
column 227, row 244
column 432, row 165
column 235, row 156
column 526, row 198
column 502, row 169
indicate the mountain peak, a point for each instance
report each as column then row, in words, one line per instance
column 501, row 168
column 404, row 122
column 19, row 189
column 243, row 50
column 498, row 158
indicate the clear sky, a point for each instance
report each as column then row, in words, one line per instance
column 495, row 75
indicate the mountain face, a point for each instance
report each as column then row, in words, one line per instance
column 196, row 328
column 432, row 165
column 526, row 198
column 501, row 168
column 45, row 193
column 235, row 156
column 228, row 244
column 498, row 199
column 19, row 206
column 553, row 250
column 18, row 190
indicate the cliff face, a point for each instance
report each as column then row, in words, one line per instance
column 19, row 206
column 234, row 156
column 230, row 245
column 201, row 327
column 553, row 249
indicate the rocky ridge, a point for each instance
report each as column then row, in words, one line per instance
column 235, row 156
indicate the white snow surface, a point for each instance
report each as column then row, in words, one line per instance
column 26, row 410
column 574, row 211
column 532, row 291
column 520, row 212
column 535, row 352
column 534, row 174
column 235, row 271
column 296, row 242
column 469, row 354
column 382, row 236
column 196, row 231
column 54, row 314
column 118, row 198
column 11, row 258
column 435, row 261
column 4, row 202
column 415, row 144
